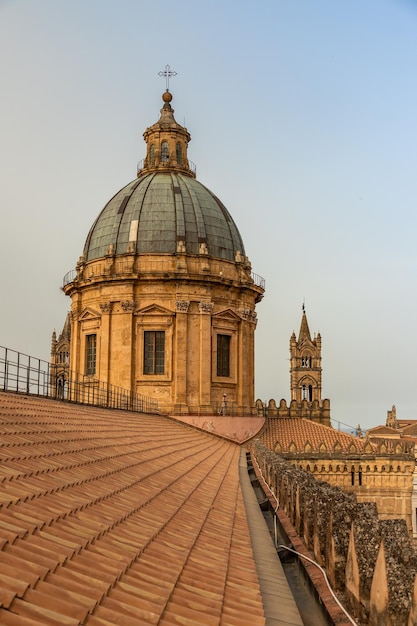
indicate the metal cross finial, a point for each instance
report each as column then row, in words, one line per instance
column 167, row 73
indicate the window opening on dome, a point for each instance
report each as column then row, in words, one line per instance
column 179, row 154
column 154, row 352
column 152, row 154
column 223, row 355
column 164, row 152
column 133, row 230
column 91, row 354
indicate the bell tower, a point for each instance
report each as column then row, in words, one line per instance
column 305, row 358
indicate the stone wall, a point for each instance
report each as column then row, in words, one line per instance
column 371, row 562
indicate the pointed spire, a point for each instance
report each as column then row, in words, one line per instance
column 66, row 331
column 304, row 329
column 53, row 343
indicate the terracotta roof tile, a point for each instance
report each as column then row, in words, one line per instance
column 113, row 518
column 14, row 619
column 299, row 431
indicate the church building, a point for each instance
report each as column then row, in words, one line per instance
column 163, row 297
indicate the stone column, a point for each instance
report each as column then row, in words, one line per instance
column 205, row 309
column 127, row 354
column 180, row 351
column 103, row 364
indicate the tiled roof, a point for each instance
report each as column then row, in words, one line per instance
column 383, row 431
column 296, row 434
column 236, row 428
column 410, row 430
column 109, row 517
column 404, row 423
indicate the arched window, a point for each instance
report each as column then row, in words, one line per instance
column 152, row 154
column 164, row 152
column 307, row 392
column 179, row 154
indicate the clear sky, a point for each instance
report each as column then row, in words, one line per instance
column 303, row 117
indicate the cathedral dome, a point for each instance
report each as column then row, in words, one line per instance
column 164, row 212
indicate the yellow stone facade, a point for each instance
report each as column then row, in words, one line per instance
column 386, row 479
column 192, row 302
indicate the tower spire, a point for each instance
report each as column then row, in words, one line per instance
column 304, row 329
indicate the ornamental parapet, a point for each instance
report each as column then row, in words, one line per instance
column 166, row 267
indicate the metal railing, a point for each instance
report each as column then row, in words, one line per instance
column 258, row 280
column 22, row 373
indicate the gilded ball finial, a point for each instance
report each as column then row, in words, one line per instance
column 167, row 96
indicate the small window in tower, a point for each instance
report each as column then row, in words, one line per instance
column 164, row 152
column 223, row 355
column 304, row 392
column 179, row 154
column 154, row 352
column 305, row 361
column 152, row 154
column 91, row 355
column 64, row 357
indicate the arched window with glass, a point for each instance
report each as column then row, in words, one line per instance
column 164, row 152
column 179, row 153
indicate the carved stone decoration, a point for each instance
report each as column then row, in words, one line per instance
column 182, row 305
column 106, row 307
column 128, row 306
column 206, row 307
column 248, row 314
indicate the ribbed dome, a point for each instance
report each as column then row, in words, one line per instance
column 164, row 212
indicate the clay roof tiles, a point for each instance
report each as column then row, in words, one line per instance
column 295, row 433
column 118, row 518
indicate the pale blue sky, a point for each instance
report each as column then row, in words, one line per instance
column 303, row 121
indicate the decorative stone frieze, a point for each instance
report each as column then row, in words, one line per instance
column 248, row 314
column 106, row 307
column 205, row 307
column 182, row 306
column 128, row 306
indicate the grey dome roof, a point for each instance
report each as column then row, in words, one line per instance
column 157, row 211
